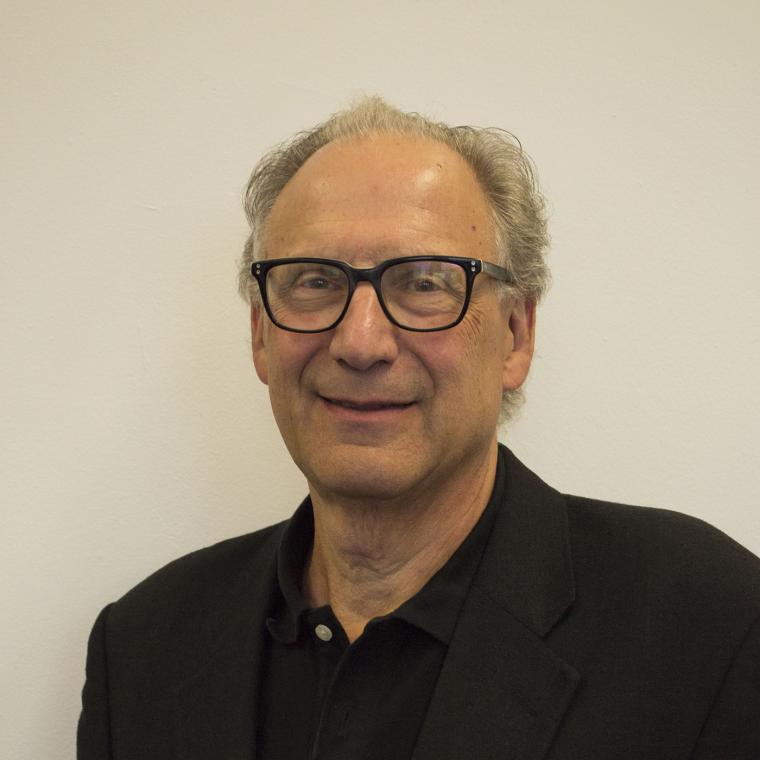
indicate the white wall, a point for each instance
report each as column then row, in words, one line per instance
column 134, row 429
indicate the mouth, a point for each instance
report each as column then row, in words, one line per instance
column 370, row 405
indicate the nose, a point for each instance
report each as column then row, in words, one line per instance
column 364, row 336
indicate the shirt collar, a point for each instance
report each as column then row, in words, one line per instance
column 292, row 556
column 434, row 608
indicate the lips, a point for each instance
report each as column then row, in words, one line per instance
column 369, row 405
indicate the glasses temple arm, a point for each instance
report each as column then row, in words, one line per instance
column 495, row 271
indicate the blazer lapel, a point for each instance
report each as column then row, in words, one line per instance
column 502, row 692
column 215, row 709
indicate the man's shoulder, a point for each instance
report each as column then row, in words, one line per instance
column 661, row 552
column 652, row 530
column 197, row 580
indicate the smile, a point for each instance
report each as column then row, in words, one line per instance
column 366, row 406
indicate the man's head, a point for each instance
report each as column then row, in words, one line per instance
column 368, row 406
column 504, row 172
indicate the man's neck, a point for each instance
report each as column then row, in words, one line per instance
column 369, row 558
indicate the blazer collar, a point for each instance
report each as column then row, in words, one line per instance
column 527, row 567
column 502, row 692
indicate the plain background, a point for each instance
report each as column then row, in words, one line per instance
column 133, row 427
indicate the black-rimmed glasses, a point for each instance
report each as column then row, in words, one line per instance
column 419, row 293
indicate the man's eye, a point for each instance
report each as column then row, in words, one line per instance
column 425, row 285
column 312, row 281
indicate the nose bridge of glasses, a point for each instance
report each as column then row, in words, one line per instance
column 369, row 275
column 365, row 299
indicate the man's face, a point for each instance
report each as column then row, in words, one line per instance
column 369, row 410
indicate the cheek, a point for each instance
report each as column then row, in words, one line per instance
column 290, row 356
column 485, row 335
column 483, row 346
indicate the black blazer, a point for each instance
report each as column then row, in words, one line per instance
column 592, row 630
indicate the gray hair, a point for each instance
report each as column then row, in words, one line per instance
column 505, row 173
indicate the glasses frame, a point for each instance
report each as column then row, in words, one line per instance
column 472, row 268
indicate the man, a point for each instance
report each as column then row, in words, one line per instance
column 432, row 598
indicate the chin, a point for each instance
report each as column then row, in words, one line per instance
column 362, row 473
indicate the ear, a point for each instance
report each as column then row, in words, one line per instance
column 522, row 325
column 258, row 344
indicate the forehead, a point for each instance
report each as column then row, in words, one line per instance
column 384, row 191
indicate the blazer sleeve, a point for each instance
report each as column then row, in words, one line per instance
column 94, row 731
column 732, row 729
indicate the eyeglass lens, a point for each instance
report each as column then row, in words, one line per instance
column 418, row 294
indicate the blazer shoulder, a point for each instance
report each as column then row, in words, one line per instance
column 199, row 577
column 677, row 553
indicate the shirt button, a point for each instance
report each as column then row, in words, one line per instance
column 323, row 632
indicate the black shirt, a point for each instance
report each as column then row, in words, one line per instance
column 322, row 697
